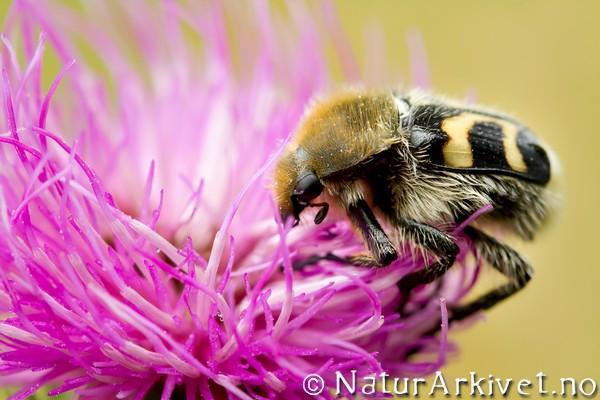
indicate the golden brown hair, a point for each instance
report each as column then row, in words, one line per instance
column 336, row 133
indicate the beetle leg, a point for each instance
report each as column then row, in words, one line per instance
column 502, row 258
column 381, row 251
column 359, row 260
column 434, row 240
column 505, row 260
column 300, row 264
column 379, row 245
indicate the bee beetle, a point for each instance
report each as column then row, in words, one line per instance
column 421, row 162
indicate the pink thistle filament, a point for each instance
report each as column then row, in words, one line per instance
column 140, row 248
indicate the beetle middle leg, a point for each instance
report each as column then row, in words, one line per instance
column 431, row 239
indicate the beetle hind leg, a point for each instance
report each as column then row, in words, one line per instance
column 502, row 258
column 505, row 260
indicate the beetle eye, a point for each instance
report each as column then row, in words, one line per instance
column 307, row 188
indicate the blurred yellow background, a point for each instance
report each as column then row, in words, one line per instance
column 539, row 60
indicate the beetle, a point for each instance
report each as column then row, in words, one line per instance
column 420, row 162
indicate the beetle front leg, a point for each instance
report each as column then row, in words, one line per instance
column 382, row 252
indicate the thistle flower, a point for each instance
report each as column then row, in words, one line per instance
column 140, row 247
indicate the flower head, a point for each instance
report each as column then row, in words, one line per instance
column 140, row 246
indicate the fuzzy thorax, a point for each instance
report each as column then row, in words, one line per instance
column 336, row 134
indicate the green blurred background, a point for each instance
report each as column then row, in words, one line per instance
column 541, row 61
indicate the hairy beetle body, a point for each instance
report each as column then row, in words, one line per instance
column 421, row 163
